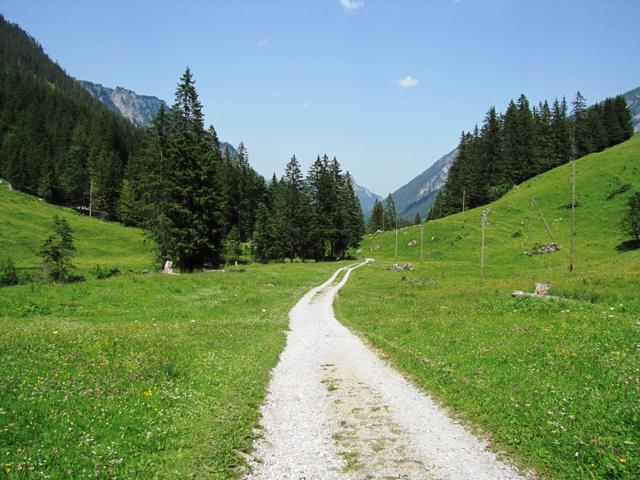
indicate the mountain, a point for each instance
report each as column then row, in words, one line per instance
column 419, row 194
column 367, row 198
column 227, row 146
column 139, row 109
column 633, row 100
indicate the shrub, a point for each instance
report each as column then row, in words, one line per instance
column 631, row 221
column 56, row 253
column 8, row 274
column 105, row 272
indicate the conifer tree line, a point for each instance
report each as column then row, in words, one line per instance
column 384, row 217
column 199, row 203
column 317, row 217
column 525, row 141
column 56, row 141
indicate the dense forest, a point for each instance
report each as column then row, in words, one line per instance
column 198, row 202
column 56, row 141
column 313, row 218
column 523, row 142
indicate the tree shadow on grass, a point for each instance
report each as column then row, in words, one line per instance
column 628, row 245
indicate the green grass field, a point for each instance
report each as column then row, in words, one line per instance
column 141, row 376
column 554, row 384
column 25, row 223
column 151, row 376
column 137, row 376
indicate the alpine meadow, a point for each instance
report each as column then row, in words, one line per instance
column 194, row 282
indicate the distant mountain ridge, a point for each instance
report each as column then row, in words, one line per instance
column 139, row 109
column 633, row 100
column 419, row 194
column 367, row 198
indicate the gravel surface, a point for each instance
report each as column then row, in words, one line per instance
column 335, row 410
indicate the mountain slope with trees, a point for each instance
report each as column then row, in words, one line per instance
column 197, row 197
column 525, row 141
column 56, row 141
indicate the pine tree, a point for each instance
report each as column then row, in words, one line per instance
column 376, row 220
column 581, row 131
column 417, row 220
column 129, row 208
column 624, row 117
column 194, row 193
column 152, row 172
column 543, row 139
column 104, row 171
column 488, row 180
column 232, row 246
column 511, row 144
column 57, row 251
column 527, row 158
column 561, row 134
column 599, row 138
column 264, row 235
column 353, row 213
column 49, row 188
column 74, row 179
column 390, row 215
column 297, row 206
column 611, row 124
column 631, row 220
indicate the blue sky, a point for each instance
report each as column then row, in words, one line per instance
column 384, row 85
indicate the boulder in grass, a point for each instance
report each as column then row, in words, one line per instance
column 396, row 267
column 541, row 290
column 168, row 268
column 550, row 248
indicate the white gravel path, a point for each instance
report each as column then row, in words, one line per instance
column 335, row 410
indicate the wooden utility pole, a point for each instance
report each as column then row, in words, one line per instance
column 396, row 237
column 421, row 239
column 574, row 154
column 483, row 216
column 464, row 197
column 535, row 204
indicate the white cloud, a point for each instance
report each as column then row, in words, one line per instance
column 351, row 6
column 408, row 82
column 263, row 43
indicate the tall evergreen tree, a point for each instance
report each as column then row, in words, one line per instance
column 581, row 131
column 390, row 215
column 194, row 192
column 561, row 133
column 376, row 221
column 297, row 208
column 353, row 213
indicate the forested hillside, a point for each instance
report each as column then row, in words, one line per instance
column 198, row 198
column 56, row 140
column 525, row 141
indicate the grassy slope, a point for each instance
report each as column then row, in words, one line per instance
column 25, row 223
column 135, row 376
column 554, row 384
